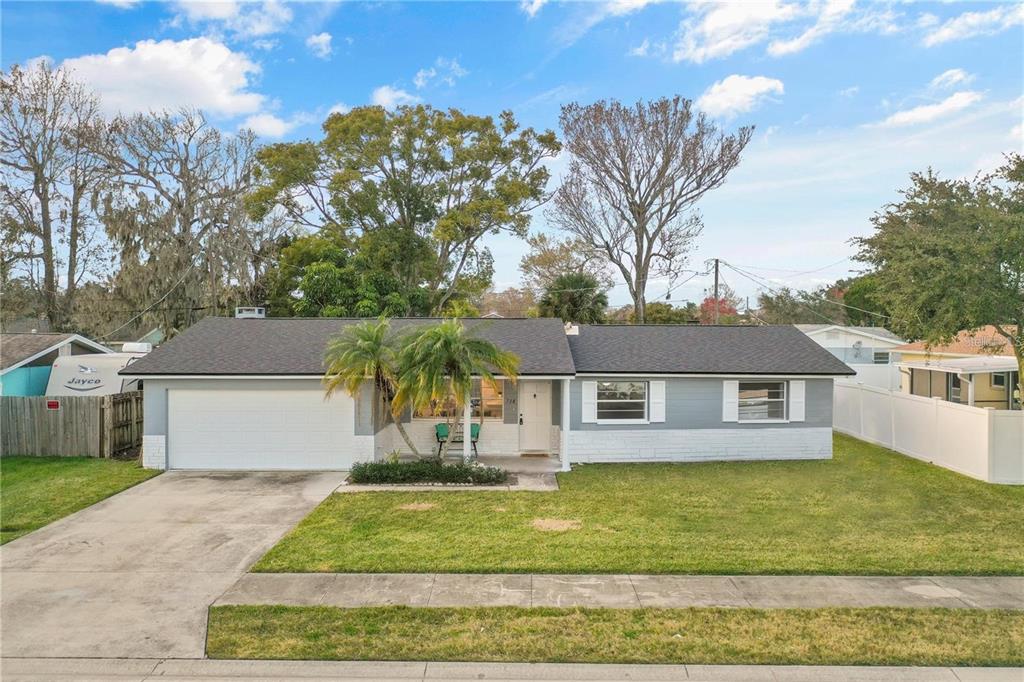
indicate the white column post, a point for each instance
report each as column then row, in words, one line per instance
column 467, row 430
column 970, row 389
column 563, row 445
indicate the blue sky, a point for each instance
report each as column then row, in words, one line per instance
column 848, row 98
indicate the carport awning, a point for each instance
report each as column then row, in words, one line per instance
column 982, row 364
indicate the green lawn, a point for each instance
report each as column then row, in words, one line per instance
column 867, row 511
column 712, row 636
column 35, row 491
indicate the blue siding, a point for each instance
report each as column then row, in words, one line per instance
column 25, row 381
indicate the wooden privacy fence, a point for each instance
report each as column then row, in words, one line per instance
column 90, row 426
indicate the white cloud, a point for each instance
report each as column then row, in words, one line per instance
column 320, row 45
column 930, row 112
column 832, row 14
column 850, row 91
column 531, row 7
column 718, row 30
column 714, row 30
column 243, row 19
column 389, row 97
column 339, row 108
column 640, row 50
column 951, row 78
column 198, row 72
column 272, row 126
column 971, row 24
column 738, row 94
column 265, row 44
column 267, row 125
column 444, row 71
column 578, row 25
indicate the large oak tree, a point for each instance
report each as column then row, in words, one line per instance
column 949, row 256
column 440, row 177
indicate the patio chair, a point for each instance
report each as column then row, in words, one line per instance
column 441, row 433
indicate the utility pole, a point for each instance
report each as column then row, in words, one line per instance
column 716, row 291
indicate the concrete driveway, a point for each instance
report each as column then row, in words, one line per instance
column 132, row 576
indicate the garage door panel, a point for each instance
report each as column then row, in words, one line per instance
column 259, row 429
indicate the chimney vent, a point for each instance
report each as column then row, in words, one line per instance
column 250, row 313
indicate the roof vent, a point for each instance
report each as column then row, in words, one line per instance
column 572, row 329
column 250, row 313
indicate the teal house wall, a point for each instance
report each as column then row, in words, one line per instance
column 25, row 381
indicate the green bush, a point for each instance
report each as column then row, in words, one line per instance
column 426, row 471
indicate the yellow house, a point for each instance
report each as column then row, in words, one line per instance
column 978, row 368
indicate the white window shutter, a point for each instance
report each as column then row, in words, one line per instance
column 797, row 390
column 657, row 401
column 589, row 402
column 730, row 400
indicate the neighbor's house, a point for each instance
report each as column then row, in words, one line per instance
column 27, row 359
column 978, row 368
column 247, row 394
column 867, row 350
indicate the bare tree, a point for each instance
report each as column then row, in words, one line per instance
column 50, row 181
column 634, row 176
column 186, row 243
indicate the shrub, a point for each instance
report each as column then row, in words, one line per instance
column 426, row 471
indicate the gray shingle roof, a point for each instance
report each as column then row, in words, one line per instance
column 16, row 347
column 295, row 346
column 699, row 349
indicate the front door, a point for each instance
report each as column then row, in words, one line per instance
column 534, row 416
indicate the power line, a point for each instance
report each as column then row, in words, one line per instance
column 796, row 273
column 826, row 300
column 753, row 279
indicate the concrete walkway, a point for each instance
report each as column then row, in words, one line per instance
column 135, row 574
column 342, row 671
column 622, row 591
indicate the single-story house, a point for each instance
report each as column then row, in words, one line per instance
column 26, row 359
column 977, row 368
column 233, row 393
column 854, row 345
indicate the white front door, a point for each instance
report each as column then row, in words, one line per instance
column 534, row 416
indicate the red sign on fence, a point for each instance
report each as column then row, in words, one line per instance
column 53, row 404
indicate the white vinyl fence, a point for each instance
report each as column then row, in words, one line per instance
column 979, row 442
column 882, row 376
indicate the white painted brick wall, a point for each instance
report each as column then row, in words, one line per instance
column 699, row 445
column 496, row 438
column 154, row 452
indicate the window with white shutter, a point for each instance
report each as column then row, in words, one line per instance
column 797, row 401
column 589, row 402
column 730, row 400
column 657, row 397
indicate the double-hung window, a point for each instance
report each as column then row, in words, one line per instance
column 762, row 401
column 622, row 401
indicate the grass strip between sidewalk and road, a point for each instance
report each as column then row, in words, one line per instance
column 832, row 636
column 36, row 491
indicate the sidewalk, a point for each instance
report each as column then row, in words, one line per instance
column 192, row 669
column 622, row 591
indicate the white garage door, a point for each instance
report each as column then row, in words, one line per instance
column 260, row 429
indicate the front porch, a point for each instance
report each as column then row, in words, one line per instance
column 517, row 426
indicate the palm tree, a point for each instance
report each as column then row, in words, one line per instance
column 362, row 352
column 438, row 363
column 574, row 297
